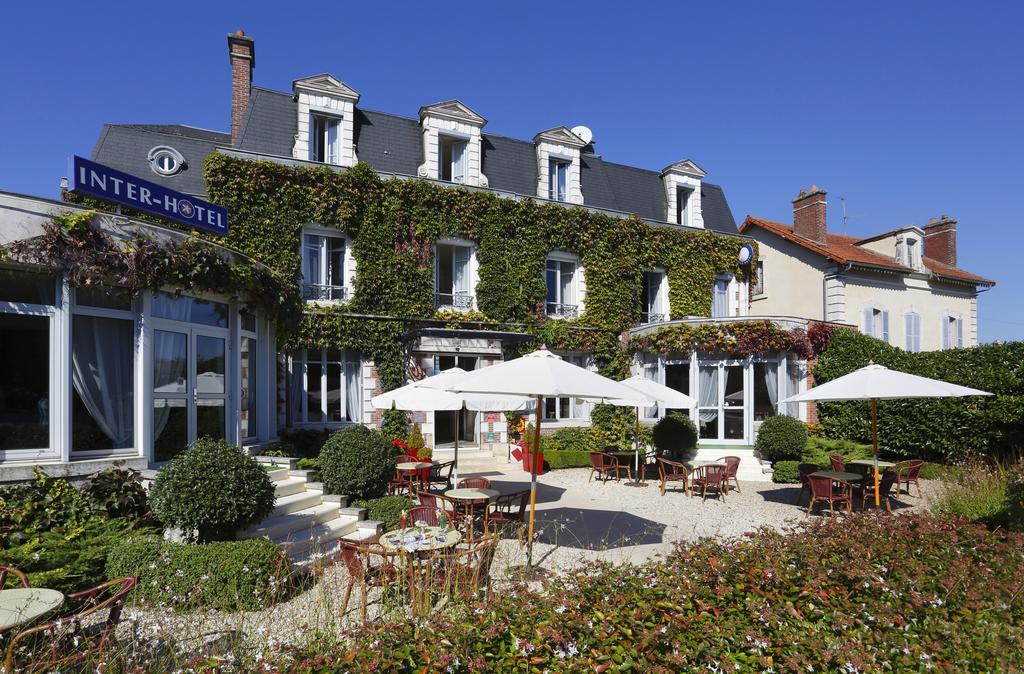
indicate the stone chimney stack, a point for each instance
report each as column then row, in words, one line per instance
column 809, row 214
column 242, row 53
column 940, row 240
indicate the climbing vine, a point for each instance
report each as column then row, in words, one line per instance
column 393, row 225
column 739, row 339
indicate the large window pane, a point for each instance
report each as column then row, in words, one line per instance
column 104, row 297
column 314, row 372
column 766, row 390
column 19, row 286
column 170, row 361
column 190, row 309
column 733, row 424
column 709, row 424
column 335, row 392
column 210, row 357
column 102, row 375
column 734, row 392
column 25, row 382
column 247, row 397
column 210, row 418
column 170, row 427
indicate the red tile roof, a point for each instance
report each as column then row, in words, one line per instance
column 844, row 249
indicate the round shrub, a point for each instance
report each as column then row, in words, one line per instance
column 781, row 438
column 386, row 509
column 675, row 434
column 357, row 461
column 211, row 490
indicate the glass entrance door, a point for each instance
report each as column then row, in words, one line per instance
column 722, row 401
column 189, row 388
column 444, row 422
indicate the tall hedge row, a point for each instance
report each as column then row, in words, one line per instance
column 938, row 429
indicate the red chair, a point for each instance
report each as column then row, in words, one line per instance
column 474, row 483
column 805, row 469
column 907, row 472
column 427, row 499
column 605, row 465
column 64, row 642
column 464, row 572
column 711, row 476
column 425, row 514
column 4, row 570
column 885, row 483
column 732, row 466
column 672, row 471
column 441, row 475
column 838, row 463
column 362, row 572
column 822, row 489
column 507, row 509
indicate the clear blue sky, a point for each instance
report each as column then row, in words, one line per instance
column 907, row 109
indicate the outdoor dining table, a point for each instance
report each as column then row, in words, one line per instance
column 869, row 463
column 840, row 476
column 24, row 604
column 470, row 498
column 414, row 543
column 411, row 467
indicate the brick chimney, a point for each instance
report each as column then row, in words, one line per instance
column 940, row 240
column 242, row 52
column 809, row 214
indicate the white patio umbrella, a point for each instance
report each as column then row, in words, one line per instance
column 428, row 395
column 877, row 382
column 541, row 374
column 659, row 393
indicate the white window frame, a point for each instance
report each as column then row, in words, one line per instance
column 315, row 291
column 332, row 151
column 256, row 362
column 577, row 411
column 912, row 330
column 683, row 205
column 452, row 141
column 457, row 302
column 658, row 310
column 952, row 331
column 759, row 288
column 563, row 309
column 879, row 327
column 300, row 361
column 726, row 281
column 558, row 166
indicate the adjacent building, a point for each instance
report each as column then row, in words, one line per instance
column 902, row 286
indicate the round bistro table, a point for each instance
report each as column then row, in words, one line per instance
column 411, row 468
column 470, row 498
column 25, row 604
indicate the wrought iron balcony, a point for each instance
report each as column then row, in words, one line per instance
column 646, row 318
column 456, row 300
column 316, row 291
column 563, row 310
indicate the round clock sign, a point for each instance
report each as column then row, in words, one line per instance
column 746, row 254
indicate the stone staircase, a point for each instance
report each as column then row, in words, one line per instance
column 473, row 461
column 752, row 469
column 306, row 522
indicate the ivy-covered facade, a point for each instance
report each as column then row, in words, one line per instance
column 372, row 249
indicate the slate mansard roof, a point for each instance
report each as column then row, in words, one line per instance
column 393, row 144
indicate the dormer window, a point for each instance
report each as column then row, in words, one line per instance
column 682, row 193
column 453, row 159
column 453, row 287
column 325, row 140
column 654, row 297
column 562, row 276
column 323, row 267
column 558, row 173
column 908, row 252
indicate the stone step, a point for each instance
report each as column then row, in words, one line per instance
column 278, row 474
column 280, row 526
column 295, row 502
column 289, row 485
column 316, row 541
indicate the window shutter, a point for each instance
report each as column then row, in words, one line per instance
column 901, row 252
column 959, row 333
column 885, row 327
column 908, row 328
column 945, row 332
column 869, row 322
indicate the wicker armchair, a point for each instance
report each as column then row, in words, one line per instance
column 732, row 466
column 673, row 471
column 465, row 572
column 804, row 470
column 359, row 561
column 507, row 510
column 75, row 639
column 606, row 466
column 909, row 471
column 20, row 575
column 713, row 476
column 866, row 489
column 838, row 463
column 474, row 483
column 441, row 475
column 822, row 490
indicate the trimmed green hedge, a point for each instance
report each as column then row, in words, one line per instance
column 781, row 438
column 943, row 429
column 567, row 459
column 386, row 509
column 234, row 575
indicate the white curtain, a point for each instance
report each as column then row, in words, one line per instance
column 101, row 371
column 168, row 354
column 771, row 382
column 461, row 280
column 708, row 392
column 458, row 162
column 353, row 389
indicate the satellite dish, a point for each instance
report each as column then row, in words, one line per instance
column 585, row 134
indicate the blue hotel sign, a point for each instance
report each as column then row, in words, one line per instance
column 109, row 184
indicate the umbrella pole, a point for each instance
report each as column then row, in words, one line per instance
column 533, row 483
column 636, row 443
column 455, row 467
column 874, row 444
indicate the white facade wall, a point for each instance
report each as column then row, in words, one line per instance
column 793, row 279
column 343, row 108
